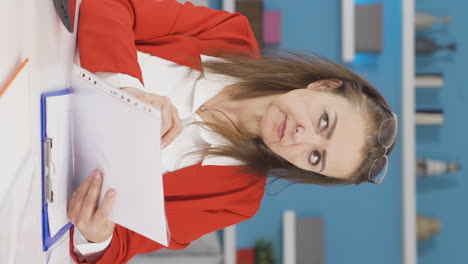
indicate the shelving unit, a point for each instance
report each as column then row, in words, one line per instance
column 407, row 119
column 408, row 135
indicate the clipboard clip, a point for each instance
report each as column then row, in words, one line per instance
column 49, row 170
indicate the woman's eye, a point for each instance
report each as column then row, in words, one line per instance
column 315, row 157
column 324, row 121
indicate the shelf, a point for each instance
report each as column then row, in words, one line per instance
column 289, row 237
column 408, row 135
column 229, row 245
column 229, row 233
column 409, row 251
column 229, row 5
column 348, row 30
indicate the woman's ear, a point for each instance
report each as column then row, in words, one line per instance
column 325, row 84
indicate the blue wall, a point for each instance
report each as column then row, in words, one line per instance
column 362, row 223
column 445, row 197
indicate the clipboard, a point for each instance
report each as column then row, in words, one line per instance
column 95, row 109
column 47, row 170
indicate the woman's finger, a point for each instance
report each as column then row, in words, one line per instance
column 152, row 99
column 90, row 201
column 159, row 102
column 166, row 114
column 105, row 209
column 175, row 129
column 134, row 92
column 171, row 125
column 75, row 204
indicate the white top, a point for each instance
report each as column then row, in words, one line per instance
column 187, row 94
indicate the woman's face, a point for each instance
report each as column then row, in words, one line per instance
column 315, row 130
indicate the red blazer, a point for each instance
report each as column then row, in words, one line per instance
column 198, row 199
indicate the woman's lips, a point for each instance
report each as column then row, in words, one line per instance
column 281, row 129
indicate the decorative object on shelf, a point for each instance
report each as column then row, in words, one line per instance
column 253, row 10
column 427, row 227
column 369, row 28
column 427, row 46
column 426, row 21
column 264, row 252
column 430, row 167
column 429, row 80
column 429, row 117
column 271, row 27
column 245, row 256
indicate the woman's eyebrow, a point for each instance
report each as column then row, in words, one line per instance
column 332, row 129
column 324, row 160
column 330, row 134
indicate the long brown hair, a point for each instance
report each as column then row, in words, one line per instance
column 285, row 71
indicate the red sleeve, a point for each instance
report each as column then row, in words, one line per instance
column 125, row 243
column 111, row 31
column 198, row 200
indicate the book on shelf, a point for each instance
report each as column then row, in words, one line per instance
column 429, row 80
column 429, row 117
column 369, row 33
column 253, row 11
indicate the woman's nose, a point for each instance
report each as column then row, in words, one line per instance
column 302, row 136
column 298, row 135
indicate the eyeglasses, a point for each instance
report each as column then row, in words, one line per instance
column 386, row 137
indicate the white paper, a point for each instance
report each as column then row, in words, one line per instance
column 124, row 142
column 15, row 127
column 58, row 129
column 59, row 253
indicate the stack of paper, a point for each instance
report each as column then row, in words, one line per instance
column 112, row 133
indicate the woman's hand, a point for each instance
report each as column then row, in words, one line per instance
column 171, row 125
column 84, row 213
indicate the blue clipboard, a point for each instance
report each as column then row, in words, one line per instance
column 47, row 240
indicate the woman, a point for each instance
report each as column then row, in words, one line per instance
column 230, row 116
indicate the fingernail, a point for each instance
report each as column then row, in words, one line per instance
column 97, row 176
column 163, row 145
column 111, row 193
